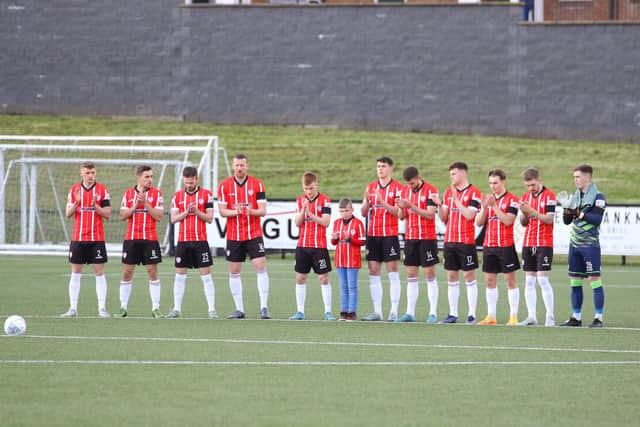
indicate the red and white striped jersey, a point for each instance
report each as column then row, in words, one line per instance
column 141, row 225
column 497, row 234
column 537, row 233
column 312, row 234
column 381, row 222
column 232, row 194
column 192, row 228
column 87, row 224
column 418, row 227
column 459, row 229
column 348, row 253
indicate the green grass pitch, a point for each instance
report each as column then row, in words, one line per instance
column 193, row 371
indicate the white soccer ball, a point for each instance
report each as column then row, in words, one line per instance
column 15, row 325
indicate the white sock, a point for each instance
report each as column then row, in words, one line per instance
column 375, row 287
column 74, row 290
column 263, row 288
column 101, row 291
column 547, row 294
column 209, row 291
column 179, row 284
column 514, row 301
column 454, row 295
column 472, row 297
column 577, row 316
column 492, row 301
column 326, row 297
column 154, row 293
column 530, row 296
column 125, row 293
column 235, row 284
column 301, row 296
column 413, row 290
column 395, row 289
column 433, row 293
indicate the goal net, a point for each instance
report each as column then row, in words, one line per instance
column 36, row 173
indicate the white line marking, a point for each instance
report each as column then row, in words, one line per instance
column 315, row 363
column 332, row 343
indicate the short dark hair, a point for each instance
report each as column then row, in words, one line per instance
column 499, row 173
column 344, row 202
column 308, row 178
column 385, row 159
column 530, row 173
column 142, row 169
column 584, row 168
column 458, row 165
column 189, row 172
column 241, row 156
column 87, row 165
column 410, row 173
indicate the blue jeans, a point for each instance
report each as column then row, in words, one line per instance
column 348, row 289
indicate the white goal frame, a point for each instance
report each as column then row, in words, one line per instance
column 28, row 162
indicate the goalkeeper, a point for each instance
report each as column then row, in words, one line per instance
column 584, row 212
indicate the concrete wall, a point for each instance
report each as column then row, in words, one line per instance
column 463, row 69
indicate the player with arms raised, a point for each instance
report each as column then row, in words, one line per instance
column 379, row 206
column 192, row 207
column 458, row 211
column 88, row 202
column 242, row 200
column 498, row 213
column 142, row 207
column 538, row 207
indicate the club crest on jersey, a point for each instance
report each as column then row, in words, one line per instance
column 150, row 199
column 201, row 201
column 352, row 232
column 124, row 255
column 178, row 259
column 250, row 192
column 423, row 198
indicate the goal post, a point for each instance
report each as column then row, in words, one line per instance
column 36, row 173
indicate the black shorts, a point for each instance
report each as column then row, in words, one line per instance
column 500, row 260
column 537, row 258
column 316, row 258
column 382, row 248
column 237, row 250
column 421, row 253
column 141, row 252
column 193, row 254
column 460, row 256
column 87, row 253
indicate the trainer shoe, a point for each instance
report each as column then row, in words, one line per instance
column 406, row 318
column 529, row 321
column 373, row 317
column 572, row 322
column 212, row 314
column 471, row 320
column 120, row 313
column 173, row 314
column 393, row 316
column 597, row 323
column 103, row 313
column 488, row 321
column 69, row 313
column 432, row 319
column 156, row 314
column 329, row 316
column 236, row 315
column 298, row 316
column 264, row 313
column 351, row 316
column 343, row 316
column 513, row 321
column 450, row 319
column 549, row 321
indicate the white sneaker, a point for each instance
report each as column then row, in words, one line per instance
column 69, row 313
column 392, row 317
column 550, row 321
column 528, row 322
column 104, row 313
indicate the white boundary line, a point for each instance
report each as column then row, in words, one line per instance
column 332, row 343
column 315, row 363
